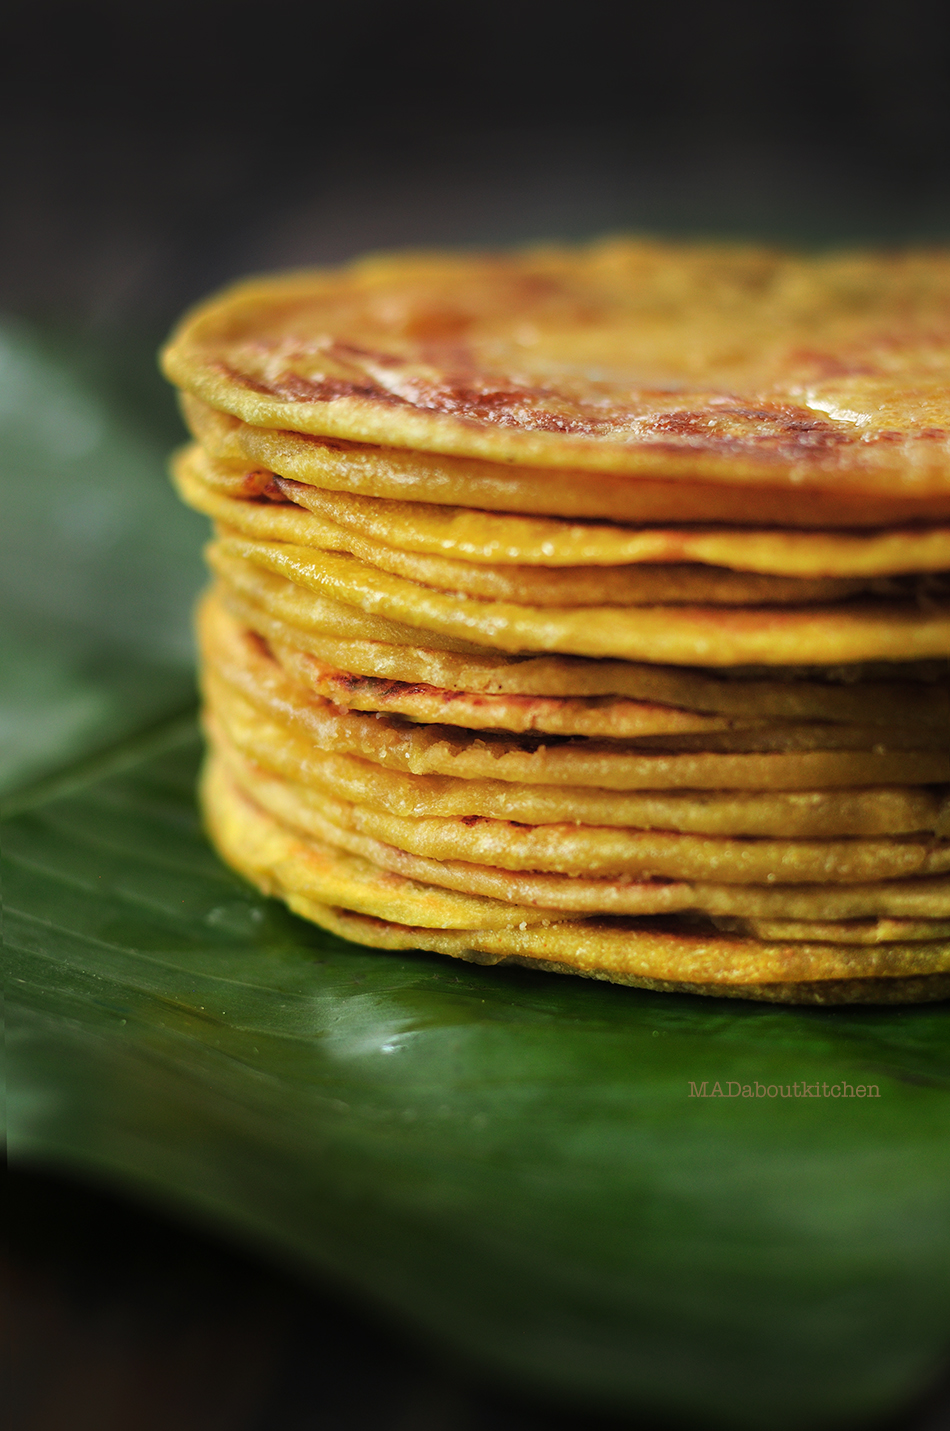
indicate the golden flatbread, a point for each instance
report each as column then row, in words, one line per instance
column 599, row 852
column 568, row 956
column 806, row 814
column 588, row 609
column 233, row 660
column 610, row 716
column 545, row 541
column 649, row 725
column 391, row 473
column 736, row 365
column 681, row 635
column 634, row 585
column 500, row 539
column 303, row 870
column 289, row 617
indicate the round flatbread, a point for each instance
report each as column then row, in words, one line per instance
column 237, row 661
column 917, row 898
column 633, row 585
column 564, row 956
column 680, row 635
column 233, row 496
column 392, row 473
column 731, row 364
column 804, row 814
column 497, row 537
column 611, row 717
column 607, row 716
column 291, row 618
column 311, row 878
column 588, row 608
column 599, row 852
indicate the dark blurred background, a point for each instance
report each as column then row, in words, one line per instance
column 154, row 151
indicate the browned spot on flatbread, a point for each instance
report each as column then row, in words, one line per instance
column 785, row 430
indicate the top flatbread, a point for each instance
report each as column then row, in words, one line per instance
column 730, row 364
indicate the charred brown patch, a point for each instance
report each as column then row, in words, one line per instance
column 751, row 424
column 291, row 387
column 269, row 495
column 243, row 380
column 260, row 483
column 260, row 645
column 379, row 688
column 349, row 681
column 526, row 408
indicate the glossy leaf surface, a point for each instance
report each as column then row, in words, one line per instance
column 511, row 1161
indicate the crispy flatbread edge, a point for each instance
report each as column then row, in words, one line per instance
column 359, row 929
column 402, row 474
column 708, row 636
column 476, row 534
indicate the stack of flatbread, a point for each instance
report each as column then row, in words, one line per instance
column 587, row 608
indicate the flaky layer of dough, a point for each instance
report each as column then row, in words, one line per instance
column 236, row 660
column 473, row 535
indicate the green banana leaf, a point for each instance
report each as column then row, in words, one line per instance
column 99, row 562
column 519, row 1166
